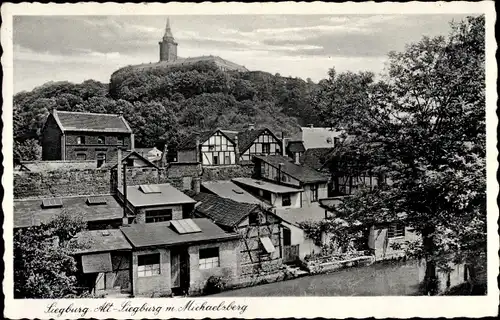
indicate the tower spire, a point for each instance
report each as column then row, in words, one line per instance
column 168, row 32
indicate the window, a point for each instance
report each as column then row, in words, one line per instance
column 121, row 141
column 211, row 147
column 148, row 265
column 266, row 148
column 283, row 177
column 158, row 215
column 130, row 162
column 209, row 258
column 285, row 200
column 227, row 160
column 396, row 230
column 253, row 218
column 314, row 192
column 81, row 156
column 101, row 159
column 101, row 140
column 80, row 140
column 215, row 160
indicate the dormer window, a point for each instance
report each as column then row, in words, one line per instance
column 80, row 140
column 101, row 140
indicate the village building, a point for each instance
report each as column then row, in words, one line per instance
column 295, row 150
column 150, row 203
column 152, row 154
column 159, row 259
column 100, row 212
column 210, row 148
column 318, row 137
column 179, row 256
column 258, row 228
column 257, row 142
column 273, row 194
column 84, row 136
column 281, row 170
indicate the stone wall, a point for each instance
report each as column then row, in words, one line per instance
column 70, row 182
column 227, row 172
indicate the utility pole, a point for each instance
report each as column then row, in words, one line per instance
column 125, row 218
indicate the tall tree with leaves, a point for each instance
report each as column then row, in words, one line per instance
column 424, row 125
column 44, row 267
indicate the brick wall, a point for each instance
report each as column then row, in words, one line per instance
column 90, row 148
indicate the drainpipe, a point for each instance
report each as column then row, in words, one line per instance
column 280, row 168
column 119, row 176
column 283, row 144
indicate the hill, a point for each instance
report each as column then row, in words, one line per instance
column 164, row 104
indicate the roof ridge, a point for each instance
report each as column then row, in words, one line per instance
column 91, row 113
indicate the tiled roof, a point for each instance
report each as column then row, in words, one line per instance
column 29, row 213
column 230, row 190
column 95, row 122
column 167, row 195
column 162, row 234
column 223, row 211
column 247, row 137
column 301, row 172
column 318, row 137
column 190, row 141
column 101, row 241
column 295, row 146
column 316, row 158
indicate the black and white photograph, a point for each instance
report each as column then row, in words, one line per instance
column 181, row 161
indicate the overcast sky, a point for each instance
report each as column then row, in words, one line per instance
column 77, row 48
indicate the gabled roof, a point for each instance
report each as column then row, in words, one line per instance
column 247, row 137
column 167, row 195
column 113, row 161
column 295, row 146
column 91, row 122
column 29, row 213
column 223, row 211
column 190, row 141
column 162, row 234
column 316, row 158
column 318, row 137
column 303, row 173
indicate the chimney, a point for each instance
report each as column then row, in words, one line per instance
column 297, row 157
column 251, row 126
column 280, row 169
column 236, row 150
column 132, row 142
column 119, row 168
column 311, row 125
column 196, row 185
column 198, row 149
column 283, row 144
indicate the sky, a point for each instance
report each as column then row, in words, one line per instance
column 78, row 48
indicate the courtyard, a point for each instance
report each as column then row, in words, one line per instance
column 379, row 279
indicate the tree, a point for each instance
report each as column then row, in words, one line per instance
column 424, row 125
column 44, row 267
column 27, row 150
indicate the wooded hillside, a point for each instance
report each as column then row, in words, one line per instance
column 163, row 104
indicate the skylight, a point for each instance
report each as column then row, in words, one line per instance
column 185, row 226
column 52, row 203
column 149, row 188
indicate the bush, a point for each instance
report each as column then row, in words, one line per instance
column 215, row 284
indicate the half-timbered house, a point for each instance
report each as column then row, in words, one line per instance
column 257, row 142
column 210, row 148
column 259, row 229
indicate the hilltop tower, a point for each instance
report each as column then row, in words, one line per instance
column 168, row 46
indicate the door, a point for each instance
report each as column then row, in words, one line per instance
column 175, row 269
column 290, row 253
